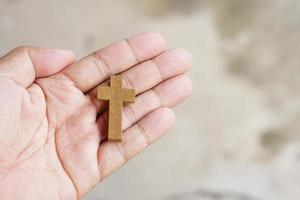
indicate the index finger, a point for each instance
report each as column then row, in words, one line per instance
column 93, row 69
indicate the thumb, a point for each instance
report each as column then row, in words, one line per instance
column 24, row 64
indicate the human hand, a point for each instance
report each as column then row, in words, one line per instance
column 53, row 129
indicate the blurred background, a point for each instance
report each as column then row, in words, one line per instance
column 237, row 137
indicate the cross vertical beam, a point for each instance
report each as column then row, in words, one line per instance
column 116, row 95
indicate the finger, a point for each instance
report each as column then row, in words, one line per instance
column 97, row 67
column 113, row 155
column 148, row 74
column 166, row 94
column 24, row 64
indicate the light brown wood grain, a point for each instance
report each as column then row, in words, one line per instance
column 116, row 95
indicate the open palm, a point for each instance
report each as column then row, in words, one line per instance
column 53, row 129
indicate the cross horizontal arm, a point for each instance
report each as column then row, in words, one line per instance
column 103, row 93
column 128, row 95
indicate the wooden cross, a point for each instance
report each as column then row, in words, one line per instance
column 116, row 95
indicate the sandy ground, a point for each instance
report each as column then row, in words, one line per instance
column 237, row 137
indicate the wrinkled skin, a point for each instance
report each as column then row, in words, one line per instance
column 53, row 130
